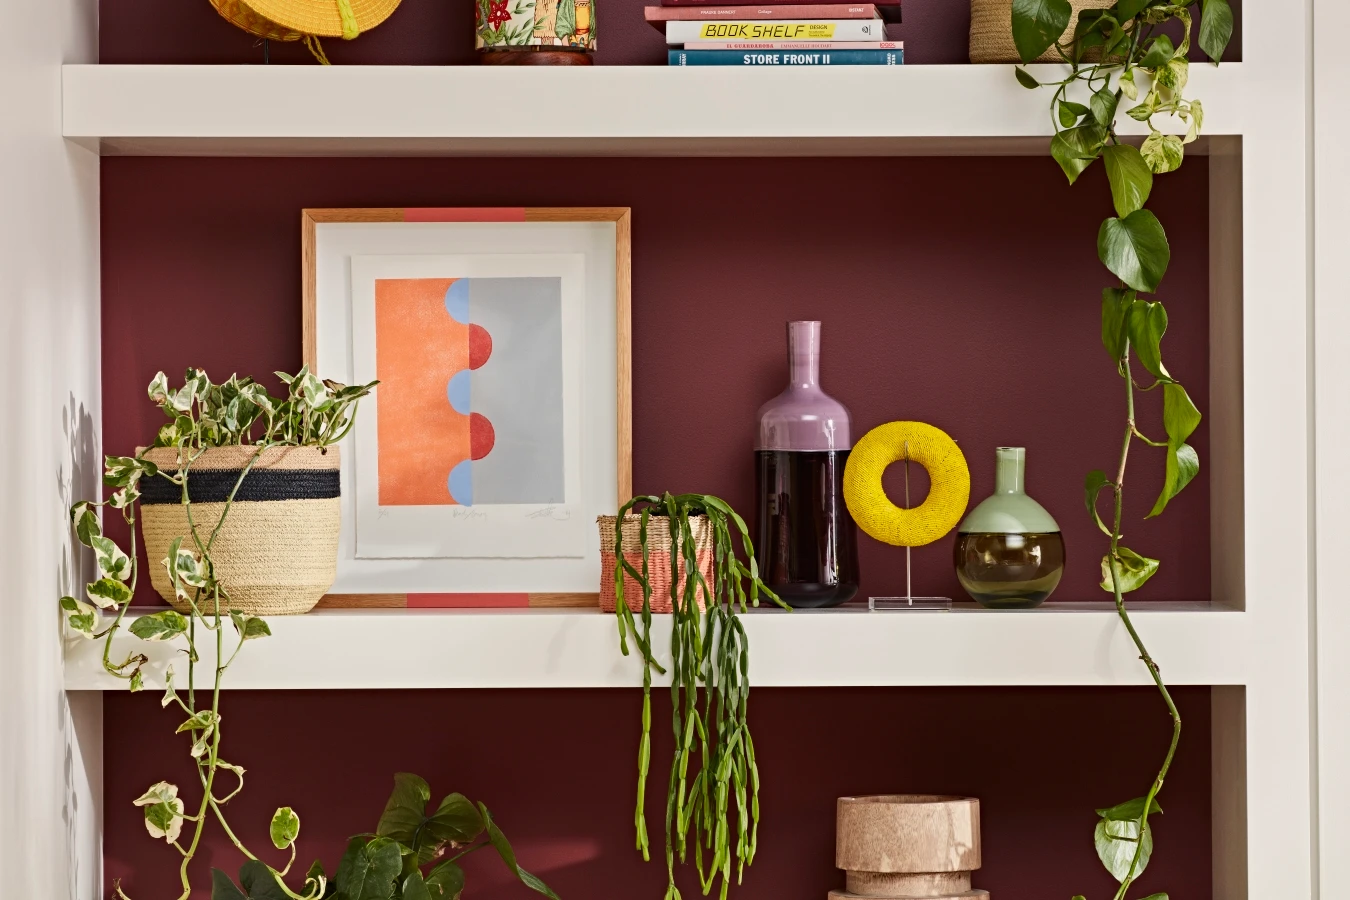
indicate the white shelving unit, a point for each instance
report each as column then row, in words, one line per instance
column 1083, row 644
column 649, row 110
column 1254, row 650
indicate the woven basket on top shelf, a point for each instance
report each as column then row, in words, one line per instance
column 658, row 560
column 991, row 38
column 276, row 554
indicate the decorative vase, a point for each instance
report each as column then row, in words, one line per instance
column 658, row 560
column 991, row 38
column 907, row 846
column 541, row 33
column 277, row 552
column 1009, row 550
column 806, row 543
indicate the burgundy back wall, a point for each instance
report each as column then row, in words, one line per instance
column 557, row 769
column 960, row 292
column 440, row 32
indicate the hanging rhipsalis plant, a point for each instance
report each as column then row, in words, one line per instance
column 712, row 799
column 201, row 416
column 1118, row 54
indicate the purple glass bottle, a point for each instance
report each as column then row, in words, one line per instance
column 806, row 543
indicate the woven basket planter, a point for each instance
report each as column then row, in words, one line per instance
column 658, row 560
column 991, row 38
column 277, row 552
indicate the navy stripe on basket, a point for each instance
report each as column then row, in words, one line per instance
column 214, row 486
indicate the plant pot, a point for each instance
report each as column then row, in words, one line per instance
column 276, row 554
column 658, row 561
column 542, row 33
column 991, row 38
column 907, row 847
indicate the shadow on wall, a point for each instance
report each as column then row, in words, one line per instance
column 80, row 714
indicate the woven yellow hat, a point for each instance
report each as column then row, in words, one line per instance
column 292, row 20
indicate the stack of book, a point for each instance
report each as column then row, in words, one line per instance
column 782, row 33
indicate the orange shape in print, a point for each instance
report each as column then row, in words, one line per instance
column 418, row 348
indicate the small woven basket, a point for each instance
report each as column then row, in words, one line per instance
column 991, row 39
column 277, row 551
column 292, row 20
column 658, row 560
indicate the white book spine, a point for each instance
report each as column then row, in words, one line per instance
column 680, row 32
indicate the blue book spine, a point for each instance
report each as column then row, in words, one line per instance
column 787, row 57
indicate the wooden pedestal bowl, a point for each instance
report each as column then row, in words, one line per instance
column 908, row 847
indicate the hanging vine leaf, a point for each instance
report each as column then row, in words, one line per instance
column 1216, row 28
column 1116, row 845
column 1132, row 568
column 1116, row 305
column 1180, row 419
column 1075, row 148
column 1146, row 324
column 1130, row 176
column 1135, row 249
column 1163, row 152
column 1037, row 24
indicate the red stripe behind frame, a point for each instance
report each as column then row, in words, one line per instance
column 465, row 214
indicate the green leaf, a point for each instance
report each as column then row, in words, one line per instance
column 405, row 810
column 1092, row 486
column 1174, row 75
column 170, row 694
column 163, row 811
column 1158, row 896
column 158, row 390
column 112, row 562
column 1127, row 85
column 1070, row 113
column 503, row 848
column 1133, row 569
column 188, row 567
column 1146, row 325
column 369, row 872
column 1216, row 28
column 1163, row 152
column 1196, row 113
column 1159, row 52
column 1025, row 78
column 1037, row 24
column 222, row 888
column 1116, row 845
column 1128, row 9
column 445, row 881
column 1116, row 304
column 316, row 882
column 1104, row 107
column 83, row 617
column 107, row 593
column 285, row 827
column 137, row 681
column 85, row 521
column 249, row 627
column 1135, row 249
column 405, row 819
column 414, row 887
column 259, row 883
column 1075, row 148
column 1180, row 419
column 160, row 626
column 1130, row 810
column 1130, row 177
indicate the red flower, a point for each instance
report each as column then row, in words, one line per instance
column 498, row 14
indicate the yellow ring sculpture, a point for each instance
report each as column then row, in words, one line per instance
column 948, row 474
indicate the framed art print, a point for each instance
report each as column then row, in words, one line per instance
column 501, row 426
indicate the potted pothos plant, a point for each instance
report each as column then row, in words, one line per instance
column 712, row 797
column 414, row 854
column 1121, row 61
column 239, row 421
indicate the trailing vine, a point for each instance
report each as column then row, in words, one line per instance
column 1117, row 54
column 713, row 768
column 201, row 416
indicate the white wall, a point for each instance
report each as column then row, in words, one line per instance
column 49, row 407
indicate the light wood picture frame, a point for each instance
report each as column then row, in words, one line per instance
column 334, row 263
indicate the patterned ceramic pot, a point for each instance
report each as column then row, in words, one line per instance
column 532, row 25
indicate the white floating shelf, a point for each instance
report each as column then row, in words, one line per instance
column 1061, row 644
column 611, row 110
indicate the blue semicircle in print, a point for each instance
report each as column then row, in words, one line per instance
column 457, row 300
column 460, row 483
column 457, row 391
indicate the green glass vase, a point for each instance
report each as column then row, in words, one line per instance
column 1009, row 550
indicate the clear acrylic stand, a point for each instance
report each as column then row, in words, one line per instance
column 909, row 602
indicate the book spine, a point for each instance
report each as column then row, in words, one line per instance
column 809, row 30
column 741, row 13
column 783, row 58
column 794, row 45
